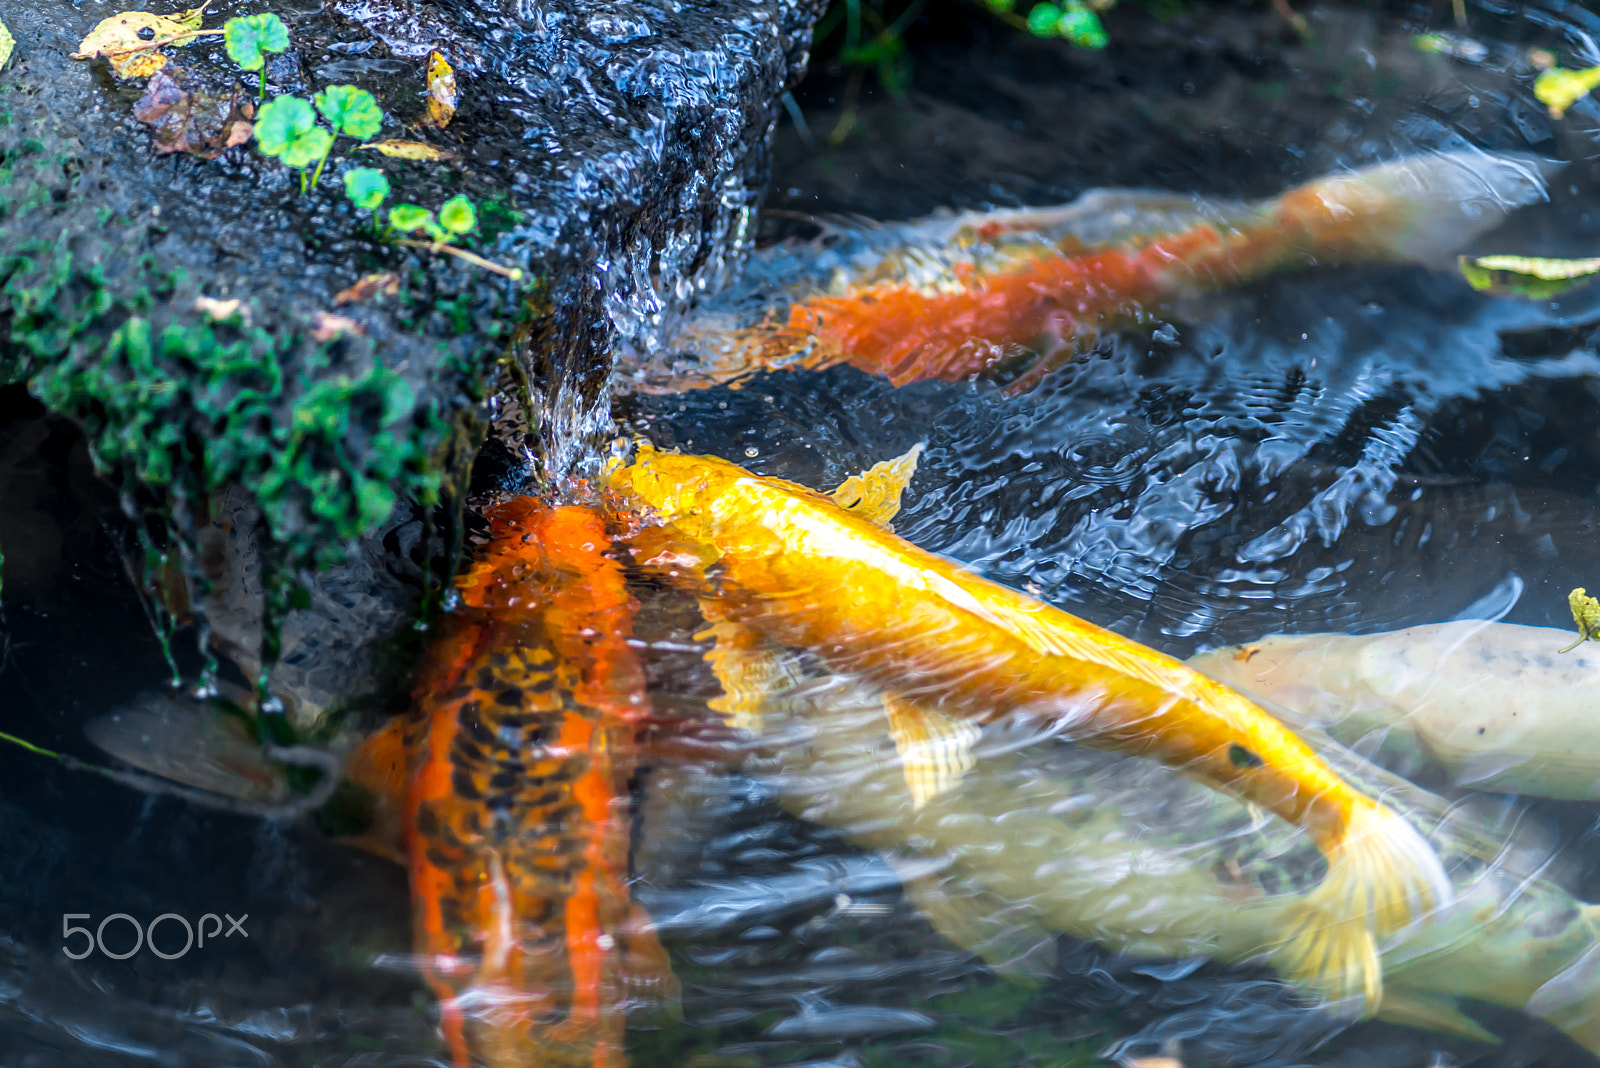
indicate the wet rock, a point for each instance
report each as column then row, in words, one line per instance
column 616, row 158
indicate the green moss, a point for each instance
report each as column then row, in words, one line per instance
column 177, row 406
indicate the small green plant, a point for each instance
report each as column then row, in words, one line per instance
column 286, row 127
column 367, row 189
column 1072, row 20
column 350, row 111
column 249, row 39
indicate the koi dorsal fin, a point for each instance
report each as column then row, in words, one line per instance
column 935, row 750
column 875, row 493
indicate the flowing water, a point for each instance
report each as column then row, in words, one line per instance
column 1339, row 449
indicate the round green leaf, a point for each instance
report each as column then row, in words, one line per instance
column 366, row 187
column 282, row 122
column 457, row 215
column 351, row 111
column 248, row 37
column 1082, row 27
column 1042, row 20
column 308, row 148
column 409, row 217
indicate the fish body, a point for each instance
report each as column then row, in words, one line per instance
column 952, row 296
column 1497, row 705
column 1039, row 838
column 512, row 770
column 782, row 564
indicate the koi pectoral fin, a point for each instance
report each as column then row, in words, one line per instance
column 1433, row 1012
column 935, row 749
column 646, row 967
column 875, row 493
column 755, row 673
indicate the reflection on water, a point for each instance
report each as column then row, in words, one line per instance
column 1356, row 450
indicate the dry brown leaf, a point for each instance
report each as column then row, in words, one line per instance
column 123, row 39
column 326, row 326
column 441, row 91
column 198, row 123
column 409, row 150
column 369, row 286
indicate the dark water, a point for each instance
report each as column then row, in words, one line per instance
column 1357, row 449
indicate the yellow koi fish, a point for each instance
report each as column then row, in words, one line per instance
column 777, row 563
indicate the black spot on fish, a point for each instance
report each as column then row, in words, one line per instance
column 1241, row 757
column 511, row 697
column 465, row 788
column 1480, row 730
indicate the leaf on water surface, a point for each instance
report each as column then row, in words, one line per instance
column 250, row 37
column 194, row 122
column 7, row 43
column 1559, row 89
column 410, row 150
column 351, row 111
column 369, row 286
column 441, row 91
column 1526, row 276
column 1586, row 614
column 124, row 40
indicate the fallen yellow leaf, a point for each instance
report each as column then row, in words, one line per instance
column 1533, row 277
column 7, row 43
column 326, row 326
column 1559, row 89
column 219, row 310
column 1586, row 615
column 441, row 91
column 125, row 40
column 409, row 150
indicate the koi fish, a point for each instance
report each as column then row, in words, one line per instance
column 774, row 563
column 1039, row 838
column 511, row 772
column 1494, row 704
column 952, row 296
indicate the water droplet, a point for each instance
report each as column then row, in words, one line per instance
column 751, row 450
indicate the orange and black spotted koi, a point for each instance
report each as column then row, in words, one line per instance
column 516, row 757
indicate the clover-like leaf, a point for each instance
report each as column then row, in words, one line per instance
column 1559, row 89
column 1042, row 19
column 249, row 37
column 286, row 127
column 366, row 187
column 409, row 217
column 351, row 111
column 457, row 215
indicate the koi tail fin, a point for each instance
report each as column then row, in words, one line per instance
column 1422, row 208
column 1382, row 876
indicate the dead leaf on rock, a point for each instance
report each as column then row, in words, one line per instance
column 441, row 91
column 326, row 326
column 194, row 122
column 124, row 40
column 7, row 43
column 409, row 150
column 369, row 286
column 221, row 310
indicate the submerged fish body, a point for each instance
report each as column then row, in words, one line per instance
column 1497, row 705
column 512, row 774
column 778, row 565
column 951, row 296
column 1039, row 838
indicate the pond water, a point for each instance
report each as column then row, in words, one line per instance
column 1354, row 449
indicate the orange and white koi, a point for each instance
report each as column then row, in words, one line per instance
column 512, row 774
column 952, row 296
column 777, row 563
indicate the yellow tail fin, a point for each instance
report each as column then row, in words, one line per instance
column 1382, row 876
